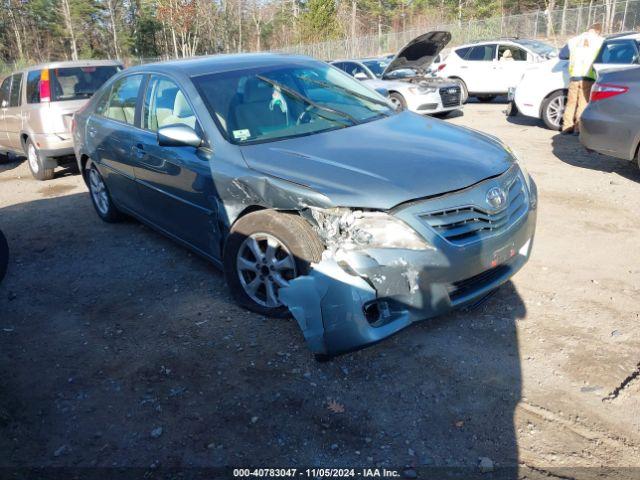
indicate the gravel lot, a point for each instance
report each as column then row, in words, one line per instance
column 119, row 348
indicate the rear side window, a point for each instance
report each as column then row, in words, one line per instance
column 482, row 53
column 16, row 88
column 620, row 52
column 462, row 52
column 33, row 86
column 79, row 83
column 4, row 90
column 123, row 99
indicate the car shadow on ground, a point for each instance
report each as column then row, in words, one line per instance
column 123, row 349
column 10, row 162
column 525, row 121
column 569, row 149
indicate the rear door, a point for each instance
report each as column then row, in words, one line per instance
column 175, row 183
column 479, row 69
column 5, row 90
column 13, row 114
column 111, row 133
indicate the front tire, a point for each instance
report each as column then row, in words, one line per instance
column 553, row 110
column 512, row 109
column 398, row 102
column 101, row 198
column 464, row 92
column 37, row 162
column 264, row 252
column 4, row 255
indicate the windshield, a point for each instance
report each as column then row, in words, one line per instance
column 376, row 66
column 541, row 48
column 267, row 104
column 79, row 82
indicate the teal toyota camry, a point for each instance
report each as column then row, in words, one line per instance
column 313, row 195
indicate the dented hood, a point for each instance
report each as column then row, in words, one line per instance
column 383, row 163
column 420, row 52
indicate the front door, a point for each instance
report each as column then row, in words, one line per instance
column 175, row 183
column 512, row 62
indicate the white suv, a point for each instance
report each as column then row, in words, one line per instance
column 488, row 69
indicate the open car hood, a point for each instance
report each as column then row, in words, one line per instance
column 420, row 52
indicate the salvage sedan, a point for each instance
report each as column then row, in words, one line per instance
column 312, row 194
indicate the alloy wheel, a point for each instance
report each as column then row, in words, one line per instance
column 98, row 191
column 555, row 110
column 396, row 103
column 264, row 265
column 32, row 157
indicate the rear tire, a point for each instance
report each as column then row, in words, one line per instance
column 101, row 198
column 37, row 162
column 4, row 255
column 553, row 110
column 264, row 252
column 398, row 102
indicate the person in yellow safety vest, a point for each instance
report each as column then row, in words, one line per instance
column 583, row 50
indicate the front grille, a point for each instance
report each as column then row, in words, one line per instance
column 468, row 224
column 450, row 96
column 465, row 287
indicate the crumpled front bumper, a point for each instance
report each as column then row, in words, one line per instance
column 360, row 297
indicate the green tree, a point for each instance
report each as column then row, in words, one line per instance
column 319, row 22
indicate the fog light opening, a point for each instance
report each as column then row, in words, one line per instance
column 376, row 310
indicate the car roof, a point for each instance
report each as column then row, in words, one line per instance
column 624, row 36
column 69, row 64
column 220, row 63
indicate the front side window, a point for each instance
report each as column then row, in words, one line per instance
column 123, row 99
column 165, row 105
column 511, row 52
column 618, row 52
column 5, row 88
column 353, row 68
column 16, row 88
column 283, row 101
column 377, row 66
column 482, row 53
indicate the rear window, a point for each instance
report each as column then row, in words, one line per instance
column 462, row 52
column 482, row 53
column 78, row 83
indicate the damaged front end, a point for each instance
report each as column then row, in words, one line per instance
column 382, row 271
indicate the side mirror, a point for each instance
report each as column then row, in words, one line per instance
column 361, row 76
column 178, row 136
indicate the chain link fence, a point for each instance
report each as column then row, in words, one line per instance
column 554, row 26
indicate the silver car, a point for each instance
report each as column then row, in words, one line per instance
column 37, row 105
column 611, row 122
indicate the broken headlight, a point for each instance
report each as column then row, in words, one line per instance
column 354, row 229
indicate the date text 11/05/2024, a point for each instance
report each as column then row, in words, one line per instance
column 316, row 473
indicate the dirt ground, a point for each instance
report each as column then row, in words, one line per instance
column 119, row 348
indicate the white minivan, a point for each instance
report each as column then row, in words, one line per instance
column 488, row 69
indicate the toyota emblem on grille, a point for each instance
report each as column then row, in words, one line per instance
column 496, row 197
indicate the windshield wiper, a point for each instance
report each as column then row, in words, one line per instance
column 305, row 99
column 347, row 90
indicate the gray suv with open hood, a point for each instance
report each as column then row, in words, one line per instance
column 313, row 195
column 406, row 76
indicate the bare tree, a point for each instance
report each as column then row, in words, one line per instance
column 68, row 22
